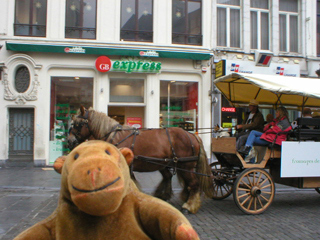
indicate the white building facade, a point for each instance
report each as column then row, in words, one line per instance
column 145, row 63
column 161, row 55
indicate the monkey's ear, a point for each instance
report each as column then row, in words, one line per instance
column 128, row 154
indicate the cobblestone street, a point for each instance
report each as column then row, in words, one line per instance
column 29, row 195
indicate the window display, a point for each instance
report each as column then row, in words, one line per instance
column 67, row 95
column 179, row 104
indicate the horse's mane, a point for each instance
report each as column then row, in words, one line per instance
column 101, row 123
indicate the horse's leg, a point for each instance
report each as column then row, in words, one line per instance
column 164, row 189
column 191, row 191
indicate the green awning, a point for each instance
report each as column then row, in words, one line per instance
column 96, row 50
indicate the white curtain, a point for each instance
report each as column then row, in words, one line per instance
column 265, row 31
column 282, row 32
column 230, row 2
column 293, row 34
column 288, row 5
column 235, row 28
column 264, row 4
column 254, row 29
column 221, row 27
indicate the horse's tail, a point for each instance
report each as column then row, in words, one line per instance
column 203, row 167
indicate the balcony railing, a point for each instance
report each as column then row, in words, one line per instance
column 80, row 32
column 33, row 30
column 136, row 35
column 185, row 38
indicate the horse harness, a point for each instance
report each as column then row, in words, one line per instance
column 153, row 160
column 78, row 126
column 134, row 133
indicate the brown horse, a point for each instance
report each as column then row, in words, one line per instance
column 154, row 150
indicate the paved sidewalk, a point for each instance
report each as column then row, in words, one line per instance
column 28, row 195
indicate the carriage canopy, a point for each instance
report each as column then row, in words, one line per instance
column 240, row 88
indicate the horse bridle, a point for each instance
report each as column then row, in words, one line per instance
column 78, row 126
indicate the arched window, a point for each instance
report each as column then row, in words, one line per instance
column 22, row 79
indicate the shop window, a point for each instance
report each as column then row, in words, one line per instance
column 318, row 28
column 228, row 23
column 259, row 15
column 127, row 90
column 81, row 19
column 22, row 79
column 186, row 22
column 179, row 104
column 30, row 18
column 137, row 20
column 288, row 25
column 67, row 95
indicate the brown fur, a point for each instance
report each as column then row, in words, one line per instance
column 88, row 211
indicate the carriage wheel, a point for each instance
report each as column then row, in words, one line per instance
column 317, row 189
column 253, row 191
column 221, row 189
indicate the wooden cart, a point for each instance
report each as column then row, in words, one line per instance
column 253, row 185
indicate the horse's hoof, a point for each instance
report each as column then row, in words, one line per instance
column 185, row 211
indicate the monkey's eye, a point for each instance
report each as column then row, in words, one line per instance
column 107, row 152
column 76, row 156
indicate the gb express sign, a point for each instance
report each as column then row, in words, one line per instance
column 105, row 64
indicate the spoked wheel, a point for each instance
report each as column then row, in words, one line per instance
column 221, row 189
column 317, row 189
column 253, row 191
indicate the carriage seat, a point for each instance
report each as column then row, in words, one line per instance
column 307, row 129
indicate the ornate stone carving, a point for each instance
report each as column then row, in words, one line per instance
column 10, row 93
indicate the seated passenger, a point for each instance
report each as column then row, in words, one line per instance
column 253, row 121
column 279, row 124
column 306, row 113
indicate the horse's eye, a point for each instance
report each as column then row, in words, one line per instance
column 107, row 152
column 76, row 156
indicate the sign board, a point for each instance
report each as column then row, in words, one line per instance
column 128, row 65
column 225, row 67
column 300, row 159
column 135, row 122
column 220, row 68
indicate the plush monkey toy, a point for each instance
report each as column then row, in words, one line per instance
column 99, row 201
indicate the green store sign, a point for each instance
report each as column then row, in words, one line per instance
column 105, row 64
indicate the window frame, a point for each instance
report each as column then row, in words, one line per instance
column 228, row 8
column 132, row 81
column 30, row 24
column 186, row 33
column 136, row 30
column 259, row 12
column 287, row 15
column 81, row 29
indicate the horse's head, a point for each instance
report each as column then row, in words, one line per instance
column 80, row 130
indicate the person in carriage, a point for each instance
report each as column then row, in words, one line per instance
column 253, row 121
column 274, row 132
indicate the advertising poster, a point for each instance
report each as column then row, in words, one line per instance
column 135, row 122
